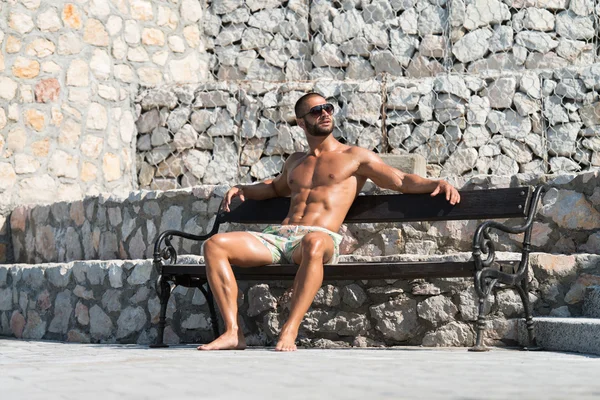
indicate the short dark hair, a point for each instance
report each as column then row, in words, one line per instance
column 300, row 104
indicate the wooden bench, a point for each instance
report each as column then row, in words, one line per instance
column 518, row 202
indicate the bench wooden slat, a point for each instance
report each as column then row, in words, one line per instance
column 475, row 204
column 343, row 271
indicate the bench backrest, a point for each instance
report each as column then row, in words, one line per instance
column 474, row 204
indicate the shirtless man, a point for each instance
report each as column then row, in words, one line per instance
column 322, row 184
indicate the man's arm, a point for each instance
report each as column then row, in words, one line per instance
column 372, row 167
column 270, row 188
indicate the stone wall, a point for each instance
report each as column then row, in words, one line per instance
column 498, row 124
column 125, row 228
column 115, row 302
column 299, row 40
column 66, row 119
column 68, row 70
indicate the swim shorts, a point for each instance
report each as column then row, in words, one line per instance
column 282, row 240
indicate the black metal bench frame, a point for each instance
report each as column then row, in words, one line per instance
column 508, row 203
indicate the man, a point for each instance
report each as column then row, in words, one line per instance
column 322, row 184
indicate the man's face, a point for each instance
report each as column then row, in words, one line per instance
column 317, row 123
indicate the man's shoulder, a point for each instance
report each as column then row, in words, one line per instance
column 293, row 159
column 357, row 151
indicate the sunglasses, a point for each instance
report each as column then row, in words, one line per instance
column 316, row 110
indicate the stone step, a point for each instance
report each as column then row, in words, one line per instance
column 591, row 302
column 580, row 335
column 125, row 227
column 115, row 301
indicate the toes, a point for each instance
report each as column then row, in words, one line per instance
column 286, row 347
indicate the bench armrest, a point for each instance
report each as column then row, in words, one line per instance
column 168, row 252
column 482, row 243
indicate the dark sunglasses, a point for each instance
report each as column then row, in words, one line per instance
column 316, row 110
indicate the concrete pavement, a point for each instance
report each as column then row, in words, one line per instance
column 49, row 370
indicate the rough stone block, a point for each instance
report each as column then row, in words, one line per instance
column 347, row 324
column 131, row 320
column 33, row 276
column 6, row 299
column 3, row 276
column 115, row 275
column 101, row 326
column 409, row 163
column 196, row 321
column 591, row 302
column 452, row 334
column 141, row 273
column 96, row 273
column 35, row 327
column 553, row 265
column 63, row 308
column 437, row 309
column 327, row 295
column 260, row 299
column 396, row 319
column 577, row 291
column 353, row 295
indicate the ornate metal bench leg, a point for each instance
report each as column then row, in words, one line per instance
column 213, row 312
column 524, row 294
column 163, row 288
column 483, row 288
column 479, row 346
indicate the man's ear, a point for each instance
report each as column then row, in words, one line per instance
column 300, row 122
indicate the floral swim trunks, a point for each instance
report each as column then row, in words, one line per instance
column 282, row 240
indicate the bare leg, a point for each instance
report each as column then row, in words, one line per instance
column 315, row 249
column 244, row 250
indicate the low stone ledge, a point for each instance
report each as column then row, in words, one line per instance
column 114, row 301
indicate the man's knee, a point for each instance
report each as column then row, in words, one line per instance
column 214, row 243
column 315, row 244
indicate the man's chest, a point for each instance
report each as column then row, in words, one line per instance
column 311, row 171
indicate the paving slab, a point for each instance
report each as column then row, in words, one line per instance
column 49, row 370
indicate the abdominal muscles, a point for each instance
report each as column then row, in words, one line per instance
column 325, row 207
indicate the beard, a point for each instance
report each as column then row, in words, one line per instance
column 318, row 130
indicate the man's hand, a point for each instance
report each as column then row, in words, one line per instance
column 232, row 193
column 452, row 194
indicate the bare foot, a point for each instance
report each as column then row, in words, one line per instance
column 287, row 342
column 230, row 340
